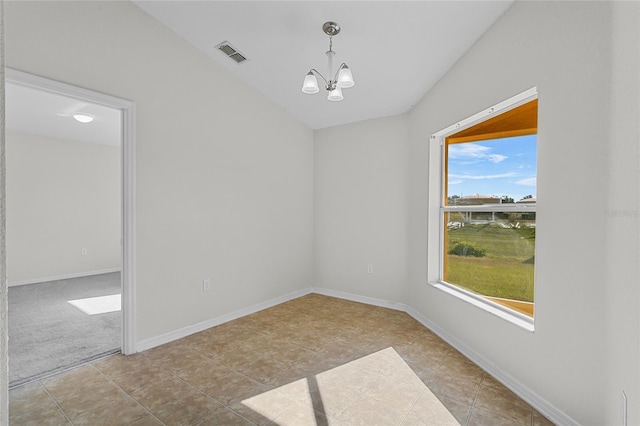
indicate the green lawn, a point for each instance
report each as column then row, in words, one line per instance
column 507, row 268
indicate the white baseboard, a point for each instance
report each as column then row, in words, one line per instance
column 536, row 401
column 361, row 299
column 143, row 345
column 62, row 277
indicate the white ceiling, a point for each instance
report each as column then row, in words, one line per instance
column 42, row 113
column 397, row 50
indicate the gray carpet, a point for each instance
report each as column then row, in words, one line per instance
column 47, row 334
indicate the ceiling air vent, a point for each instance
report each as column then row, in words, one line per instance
column 226, row 48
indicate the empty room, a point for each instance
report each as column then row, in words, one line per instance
column 341, row 213
column 63, row 197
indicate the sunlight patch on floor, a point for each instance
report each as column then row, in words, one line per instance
column 98, row 305
column 377, row 389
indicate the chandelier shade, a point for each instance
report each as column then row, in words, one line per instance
column 335, row 95
column 343, row 77
column 310, row 84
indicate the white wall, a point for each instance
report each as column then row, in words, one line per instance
column 361, row 208
column 62, row 196
column 622, row 297
column 224, row 177
column 565, row 49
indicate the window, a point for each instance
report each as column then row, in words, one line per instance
column 488, row 206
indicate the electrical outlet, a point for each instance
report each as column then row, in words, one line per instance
column 206, row 284
column 84, row 251
column 370, row 268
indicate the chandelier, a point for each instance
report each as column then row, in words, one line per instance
column 342, row 78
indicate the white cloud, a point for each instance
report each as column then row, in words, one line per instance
column 455, row 182
column 527, row 182
column 474, row 151
column 499, row 176
column 468, row 150
column 496, row 158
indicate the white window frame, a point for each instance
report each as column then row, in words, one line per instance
column 439, row 209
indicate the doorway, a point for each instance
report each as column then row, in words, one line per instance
column 95, row 261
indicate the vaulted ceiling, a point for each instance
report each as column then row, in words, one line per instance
column 397, row 50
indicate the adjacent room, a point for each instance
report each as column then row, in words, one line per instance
column 354, row 212
column 63, row 233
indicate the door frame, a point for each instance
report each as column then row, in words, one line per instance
column 128, row 186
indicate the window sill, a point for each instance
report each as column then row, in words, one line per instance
column 507, row 314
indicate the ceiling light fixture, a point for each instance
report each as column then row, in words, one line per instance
column 83, row 118
column 342, row 78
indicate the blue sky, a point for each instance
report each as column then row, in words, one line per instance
column 494, row 167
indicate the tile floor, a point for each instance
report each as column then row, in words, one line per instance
column 314, row 360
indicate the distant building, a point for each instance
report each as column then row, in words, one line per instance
column 527, row 200
column 477, row 199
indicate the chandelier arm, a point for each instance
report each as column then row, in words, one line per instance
column 319, row 75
